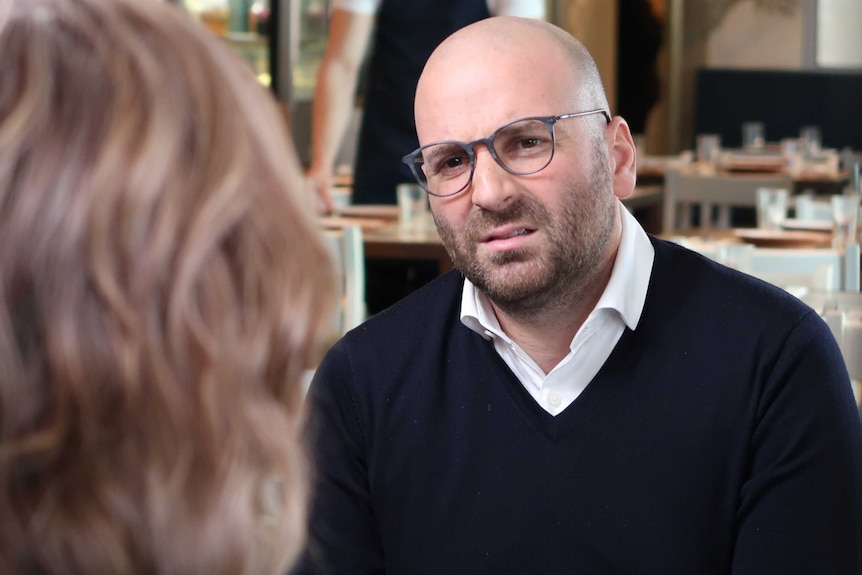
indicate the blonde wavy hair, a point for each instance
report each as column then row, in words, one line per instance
column 161, row 284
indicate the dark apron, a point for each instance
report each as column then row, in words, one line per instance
column 406, row 33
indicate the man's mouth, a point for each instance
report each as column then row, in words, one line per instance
column 520, row 232
column 507, row 238
column 507, row 234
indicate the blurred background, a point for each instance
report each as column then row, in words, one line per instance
column 674, row 68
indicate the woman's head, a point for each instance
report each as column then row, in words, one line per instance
column 161, row 281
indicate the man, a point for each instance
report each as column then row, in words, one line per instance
column 586, row 398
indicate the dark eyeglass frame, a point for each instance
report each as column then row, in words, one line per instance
column 414, row 159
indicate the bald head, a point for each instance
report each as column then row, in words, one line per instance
column 533, row 58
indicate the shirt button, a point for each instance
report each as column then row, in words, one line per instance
column 554, row 399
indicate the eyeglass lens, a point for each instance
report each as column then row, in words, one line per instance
column 523, row 147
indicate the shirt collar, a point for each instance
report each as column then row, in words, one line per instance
column 625, row 292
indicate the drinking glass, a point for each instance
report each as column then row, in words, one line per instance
column 810, row 136
column 753, row 135
column 792, row 154
column 771, row 208
column 845, row 219
column 412, row 206
column 708, row 150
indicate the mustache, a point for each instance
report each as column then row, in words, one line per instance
column 521, row 211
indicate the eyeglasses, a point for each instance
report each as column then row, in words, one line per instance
column 521, row 147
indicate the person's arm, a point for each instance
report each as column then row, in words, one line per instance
column 334, row 95
column 522, row 8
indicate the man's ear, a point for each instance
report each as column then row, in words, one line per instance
column 623, row 157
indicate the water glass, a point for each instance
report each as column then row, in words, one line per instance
column 771, row 208
column 341, row 197
column 412, row 206
column 753, row 135
column 708, row 149
column 845, row 219
column 810, row 136
column 792, row 153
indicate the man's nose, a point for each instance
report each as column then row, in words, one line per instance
column 491, row 186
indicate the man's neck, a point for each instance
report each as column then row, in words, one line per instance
column 546, row 334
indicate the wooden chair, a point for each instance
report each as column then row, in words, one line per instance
column 684, row 189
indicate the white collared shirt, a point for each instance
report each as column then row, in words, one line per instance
column 620, row 305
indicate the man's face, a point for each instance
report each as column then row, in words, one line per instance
column 525, row 241
column 548, row 239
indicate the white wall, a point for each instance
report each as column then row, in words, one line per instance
column 839, row 33
column 753, row 37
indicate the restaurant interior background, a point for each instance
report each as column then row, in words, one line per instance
column 284, row 41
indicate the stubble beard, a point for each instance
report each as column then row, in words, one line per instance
column 527, row 281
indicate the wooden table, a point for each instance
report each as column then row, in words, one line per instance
column 392, row 241
column 385, row 238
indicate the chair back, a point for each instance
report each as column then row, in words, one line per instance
column 852, row 268
column 808, row 208
column 817, row 269
column 811, row 209
column 684, row 189
column 843, row 314
column 346, row 247
column 798, row 270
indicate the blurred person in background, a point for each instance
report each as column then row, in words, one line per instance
column 403, row 33
column 639, row 40
column 161, row 283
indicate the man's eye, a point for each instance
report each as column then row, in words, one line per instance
column 454, row 162
column 529, row 142
column 517, row 145
column 448, row 160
